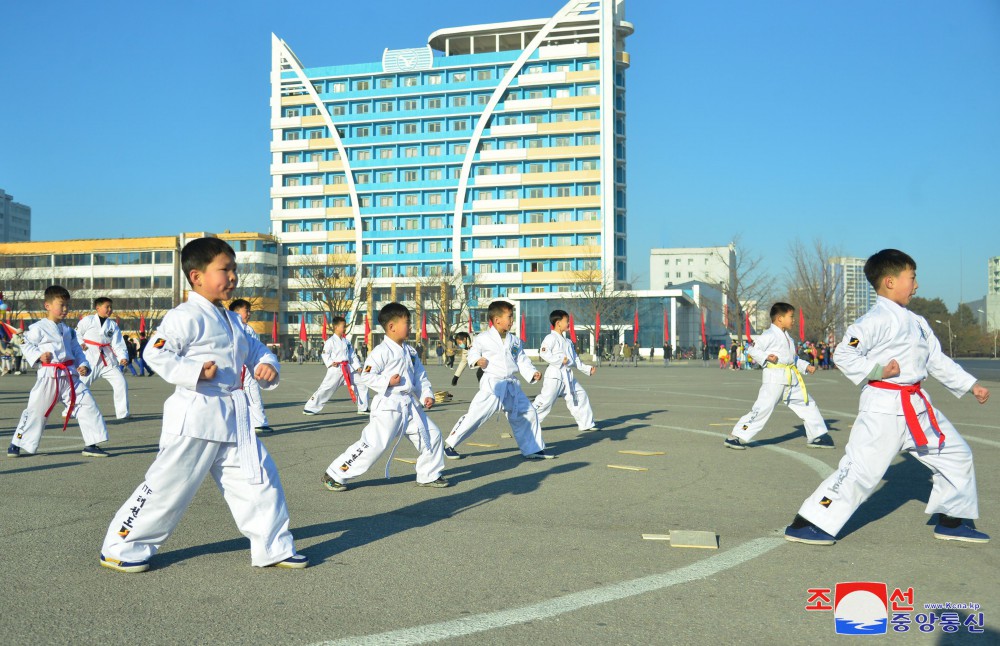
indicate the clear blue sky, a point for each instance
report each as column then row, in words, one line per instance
column 870, row 123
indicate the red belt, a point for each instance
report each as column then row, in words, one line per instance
column 64, row 366
column 346, row 369
column 906, row 392
column 99, row 345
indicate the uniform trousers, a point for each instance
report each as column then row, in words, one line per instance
column 150, row 515
column 520, row 414
column 333, row 380
column 576, row 400
column 768, row 397
column 876, row 438
column 46, row 390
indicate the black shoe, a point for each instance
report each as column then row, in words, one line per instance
column 541, row 455
column 824, row 441
column 263, row 429
column 440, row 483
column 452, row 454
column 13, row 451
column 735, row 443
column 94, row 451
column 454, row 381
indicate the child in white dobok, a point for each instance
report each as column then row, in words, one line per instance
column 559, row 353
column 107, row 354
column 258, row 417
column 61, row 364
column 892, row 350
column 501, row 357
column 342, row 368
column 402, row 393
column 782, row 382
column 200, row 347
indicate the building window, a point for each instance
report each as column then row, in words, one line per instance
column 385, row 153
column 362, row 131
column 385, row 83
column 459, row 101
column 460, row 149
column 410, row 81
column 362, row 178
column 435, row 223
column 384, row 131
column 362, row 108
column 459, row 77
column 410, row 104
column 363, row 155
column 362, row 85
column 434, row 174
column 411, row 151
column 338, row 110
column 410, row 175
column 461, row 124
column 589, row 190
column 385, row 200
column 338, row 87
column 409, row 128
column 434, row 126
column 536, row 192
column 385, row 106
column 290, row 136
column 433, row 104
column 433, row 151
column 411, row 199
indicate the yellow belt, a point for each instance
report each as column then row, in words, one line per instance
column 790, row 369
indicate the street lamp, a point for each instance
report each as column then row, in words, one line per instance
column 951, row 353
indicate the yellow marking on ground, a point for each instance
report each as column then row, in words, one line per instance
column 405, row 460
column 643, row 452
column 720, row 424
column 626, row 468
column 697, row 539
column 656, row 537
column 485, row 446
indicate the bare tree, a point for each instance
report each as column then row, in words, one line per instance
column 813, row 287
column 323, row 287
column 598, row 295
column 748, row 284
column 447, row 300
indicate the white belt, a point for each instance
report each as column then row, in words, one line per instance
column 246, row 441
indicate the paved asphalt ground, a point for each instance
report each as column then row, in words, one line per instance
column 515, row 552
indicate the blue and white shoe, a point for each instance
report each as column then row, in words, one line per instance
column 452, row 454
column 296, row 562
column 735, row 443
column 961, row 533
column 810, row 535
column 13, row 451
column 124, row 566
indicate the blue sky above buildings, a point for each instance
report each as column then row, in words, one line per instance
column 871, row 124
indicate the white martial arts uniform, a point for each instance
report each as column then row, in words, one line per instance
column 889, row 331
column 559, row 380
column 339, row 357
column 206, row 429
column 258, row 417
column 395, row 410
column 782, row 381
column 57, row 380
column 498, row 389
column 105, row 347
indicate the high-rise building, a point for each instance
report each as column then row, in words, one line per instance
column 993, row 293
column 15, row 219
column 490, row 162
column 855, row 294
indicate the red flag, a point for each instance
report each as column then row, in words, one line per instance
column 470, row 324
column 21, row 325
column 749, row 338
column 142, row 323
column 368, row 330
column 302, row 329
column 572, row 330
column 274, row 329
column 9, row 330
column 597, row 329
column 423, row 325
column 523, row 326
column 666, row 327
column 802, row 326
column 704, row 339
column 635, row 328
column 324, row 327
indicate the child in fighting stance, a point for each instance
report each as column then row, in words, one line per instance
column 559, row 353
column 342, row 366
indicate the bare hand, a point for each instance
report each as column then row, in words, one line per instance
column 394, row 380
column 535, row 377
column 891, row 369
column 773, row 358
column 482, row 363
column 593, row 369
column 565, row 360
column 83, row 370
column 981, row 394
column 428, row 402
column 265, row 372
column 208, row 371
column 811, row 369
column 123, row 363
column 46, row 357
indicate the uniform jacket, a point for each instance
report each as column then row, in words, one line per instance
column 190, row 335
column 506, row 358
column 778, row 342
column 555, row 348
column 90, row 328
column 336, row 350
column 46, row 336
column 889, row 331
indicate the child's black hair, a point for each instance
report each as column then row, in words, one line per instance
column 337, row 320
column 101, row 300
column 240, row 304
column 53, row 292
column 498, row 308
column 556, row 316
column 888, row 262
column 200, row 253
column 391, row 312
column 780, row 308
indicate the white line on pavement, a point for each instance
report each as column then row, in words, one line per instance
column 568, row 603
